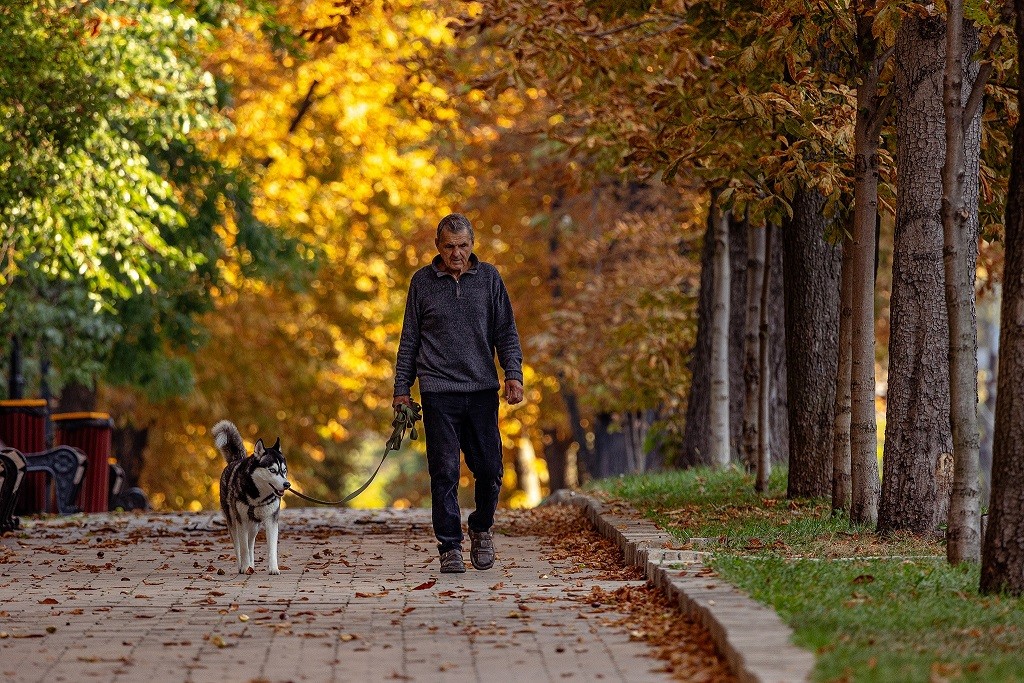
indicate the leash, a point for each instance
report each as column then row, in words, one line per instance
column 406, row 417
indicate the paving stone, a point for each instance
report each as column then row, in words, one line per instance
column 139, row 598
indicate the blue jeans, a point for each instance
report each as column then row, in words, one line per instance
column 466, row 422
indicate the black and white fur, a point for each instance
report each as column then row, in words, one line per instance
column 251, row 488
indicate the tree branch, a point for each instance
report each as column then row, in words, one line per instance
column 881, row 110
column 978, row 89
column 884, row 57
column 300, row 113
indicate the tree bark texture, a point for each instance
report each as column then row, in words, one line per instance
column 718, row 412
column 751, row 346
column 813, row 268
column 841, row 441
column 864, row 479
column 917, row 463
column 1002, row 560
column 960, row 256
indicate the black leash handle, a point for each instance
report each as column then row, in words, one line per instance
column 406, row 417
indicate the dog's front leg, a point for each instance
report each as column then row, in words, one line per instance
column 250, row 542
column 236, row 538
column 272, row 544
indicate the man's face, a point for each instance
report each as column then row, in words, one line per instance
column 455, row 248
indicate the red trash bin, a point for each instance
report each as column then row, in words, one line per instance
column 23, row 426
column 90, row 432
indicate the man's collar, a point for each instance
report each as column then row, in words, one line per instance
column 436, row 264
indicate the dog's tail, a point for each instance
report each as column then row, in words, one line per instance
column 228, row 441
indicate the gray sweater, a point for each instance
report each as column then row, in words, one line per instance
column 453, row 328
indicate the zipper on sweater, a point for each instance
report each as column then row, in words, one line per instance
column 458, row 288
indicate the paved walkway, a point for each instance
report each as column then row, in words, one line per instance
column 360, row 598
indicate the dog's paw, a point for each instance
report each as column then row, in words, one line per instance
column 275, row 570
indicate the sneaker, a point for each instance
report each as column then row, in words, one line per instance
column 481, row 549
column 451, row 562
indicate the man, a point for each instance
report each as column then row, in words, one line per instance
column 457, row 315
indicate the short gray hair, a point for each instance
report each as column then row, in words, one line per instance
column 455, row 223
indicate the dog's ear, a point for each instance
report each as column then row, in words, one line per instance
column 259, row 448
column 277, row 445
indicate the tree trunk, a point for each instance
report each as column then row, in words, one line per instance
column 763, row 467
column 1002, row 561
column 752, row 365
column 960, row 255
column 719, row 409
column 556, row 451
column 737, row 329
column 15, row 378
column 696, row 431
column 585, row 455
column 636, row 424
column 813, row 268
column 841, row 441
column 128, row 444
column 918, row 443
column 870, row 113
column 609, row 448
column 695, row 450
column 778, row 411
column 77, row 398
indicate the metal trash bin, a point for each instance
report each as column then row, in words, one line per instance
column 90, row 432
column 23, row 426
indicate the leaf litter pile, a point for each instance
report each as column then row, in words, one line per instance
column 685, row 647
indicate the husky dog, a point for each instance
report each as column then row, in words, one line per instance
column 251, row 488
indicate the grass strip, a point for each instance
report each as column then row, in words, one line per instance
column 872, row 608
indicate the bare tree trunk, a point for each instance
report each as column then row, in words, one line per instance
column 129, row 444
column 918, row 442
column 719, row 409
column 764, row 456
column 610, row 454
column 959, row 198
column 812, row 331
column 77, row 398
column 778, row 399
column 635, row 425
column 585, row 454
column 695, row 450
column 841, row 442
column 556, row 455
column 871, row 112
column 752, row 365
column 1002, row 560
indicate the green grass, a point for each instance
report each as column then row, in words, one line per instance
column 903, row 615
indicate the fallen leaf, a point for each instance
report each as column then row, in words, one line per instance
column 425, row 585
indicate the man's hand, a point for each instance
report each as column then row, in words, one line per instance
column 513, row 391
column 402, row 401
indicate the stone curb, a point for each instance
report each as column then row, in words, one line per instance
column 752, row 637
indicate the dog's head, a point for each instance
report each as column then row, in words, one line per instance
column 271, row 470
